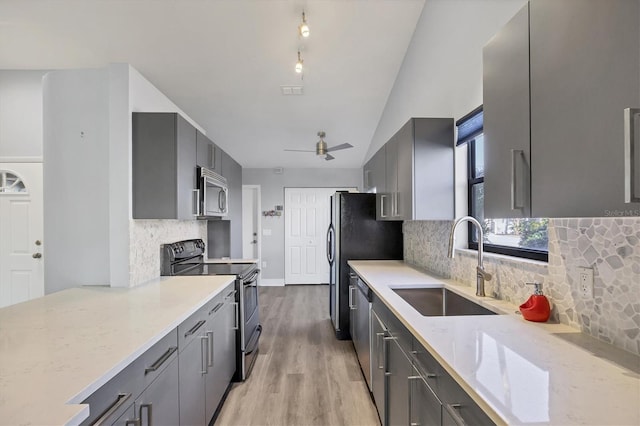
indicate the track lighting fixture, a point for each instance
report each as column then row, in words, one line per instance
column 303, row 29
column 299, row 63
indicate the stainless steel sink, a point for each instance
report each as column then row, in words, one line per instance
column 437, row 302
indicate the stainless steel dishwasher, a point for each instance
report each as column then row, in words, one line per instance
column 360, row 298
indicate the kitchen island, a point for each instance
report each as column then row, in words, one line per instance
column 57, row 350
column 517, row 371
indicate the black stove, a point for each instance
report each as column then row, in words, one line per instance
column 187, row 258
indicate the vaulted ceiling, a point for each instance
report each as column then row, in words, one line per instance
column 224, row 62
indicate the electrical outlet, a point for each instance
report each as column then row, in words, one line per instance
column 585, row 282
column 264, row 263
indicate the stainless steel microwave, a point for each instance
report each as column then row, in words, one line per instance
column 213, row 194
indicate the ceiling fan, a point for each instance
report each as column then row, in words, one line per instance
column 321, row 147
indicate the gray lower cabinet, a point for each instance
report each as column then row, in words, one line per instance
column 159, row 404
column 408, row 385
column 399, row 369
column 192, row 363
column 163, row 166
column 378, row 364
column 361, row 325
column 424, row 406
column 557, row 142
column 150, row 381
column 207, row 358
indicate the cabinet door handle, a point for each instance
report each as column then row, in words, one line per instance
column 452, row 409
column 106, row 414
column 410, row 381
column 378, row 346
column 382, row 198
column 630, row 147
column 204, row 353
column 210, row 349
column 163, row 358
column 194, row 328
column 351, row 305
column 235, row 309
column 149, row 408
column 515, row 154
column 196, row 201
column 212, row 157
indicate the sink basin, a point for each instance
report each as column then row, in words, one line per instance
column 437, row 302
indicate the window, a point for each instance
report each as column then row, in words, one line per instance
column 514, row 237
column 11, row 183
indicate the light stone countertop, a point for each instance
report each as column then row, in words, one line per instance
column 230, row 260
column 518, row 371
column 57, row 350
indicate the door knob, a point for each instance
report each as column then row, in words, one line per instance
column 38, row 242
column 254, row 242
column 36, row 255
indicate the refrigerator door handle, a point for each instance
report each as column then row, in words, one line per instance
column 330, row 244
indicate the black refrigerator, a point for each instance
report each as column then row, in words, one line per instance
column 355, row 234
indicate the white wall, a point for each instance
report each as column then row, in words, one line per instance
column 441, row 74
column 90, row 234
column 272, row 193
column 76, row 178
column 21, row 115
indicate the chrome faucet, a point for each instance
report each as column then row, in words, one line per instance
column 481, row 274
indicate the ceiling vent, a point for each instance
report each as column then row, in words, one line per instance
column 292, row 90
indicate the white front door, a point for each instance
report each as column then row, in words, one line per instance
column 306, row 220
column 250, row 221
column 21, row 218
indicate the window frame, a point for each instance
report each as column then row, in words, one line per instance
column 491, row 248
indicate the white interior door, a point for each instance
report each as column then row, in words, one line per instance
column 306, row 222
column 251, row 221
column 21, row 218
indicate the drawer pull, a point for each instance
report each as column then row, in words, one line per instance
column 195, row 328
column 165, row 356
column 216, row 308
column 452, row 410
column 120, row 400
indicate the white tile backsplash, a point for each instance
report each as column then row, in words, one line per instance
column 611, row 246
column 146, row 236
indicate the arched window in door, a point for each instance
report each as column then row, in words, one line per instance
column 10, row 183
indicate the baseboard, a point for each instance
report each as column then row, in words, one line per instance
column 271, row 282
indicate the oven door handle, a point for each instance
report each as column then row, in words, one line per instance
column 252, row 278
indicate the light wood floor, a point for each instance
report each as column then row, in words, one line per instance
column 303, row 374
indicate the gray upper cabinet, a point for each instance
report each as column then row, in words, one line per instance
column 164, row 172
column 374, row 173
column 419, row 183
column 208, row 154
column 506, row 120
column 583, row 71
column 232, row 171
